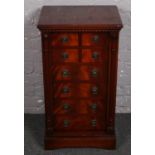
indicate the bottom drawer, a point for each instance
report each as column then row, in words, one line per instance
column 78, row 122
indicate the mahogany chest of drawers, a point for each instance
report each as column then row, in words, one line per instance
column 80, row 55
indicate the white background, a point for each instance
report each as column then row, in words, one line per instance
column 12, row 79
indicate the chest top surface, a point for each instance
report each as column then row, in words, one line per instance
column 55, row 17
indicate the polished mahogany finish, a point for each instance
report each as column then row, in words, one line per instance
column 64, row 39
column 80, row 55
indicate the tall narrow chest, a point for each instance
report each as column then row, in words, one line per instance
column 80, row 56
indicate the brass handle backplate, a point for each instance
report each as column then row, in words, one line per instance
column 93, row 106
column 64, row 39
column 94, row 73
column 65, row 55
column 93, row 122
column 65, row 73
column 95, row 55
column 65, row 90
column 66, row 123
column 66, row 106
column 94, row 90
column 95, row 38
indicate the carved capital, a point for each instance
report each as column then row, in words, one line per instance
column 45, row 35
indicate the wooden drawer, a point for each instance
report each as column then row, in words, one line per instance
column 64, row 39
column 93, row 39
column 79, row 90
column 78, row 72
column 64, row 56
column 78, row 122
column 97, row 55
column 88, row 55
column 87, row 106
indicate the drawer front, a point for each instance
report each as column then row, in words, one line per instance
column 64, row 39
column 78, row 72
column 64, row 56
column 87, row 106
column 83, row 90
column 94, row 56
column 63, row 72
column 93, row 39
column 88, row 55
column 78, row 122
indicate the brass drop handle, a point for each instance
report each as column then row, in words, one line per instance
column 94, row 72
column 65, row 73
column 95, row 55
column 65, row 90
column 93, row 106
column 66, row 106
column 65, row 55
column 94, row 90
column 64, row 39
column 95, row 38
column 93, row 122
column 66, row 123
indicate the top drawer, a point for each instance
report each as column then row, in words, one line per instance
column 64, row 39
column 72, row 39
